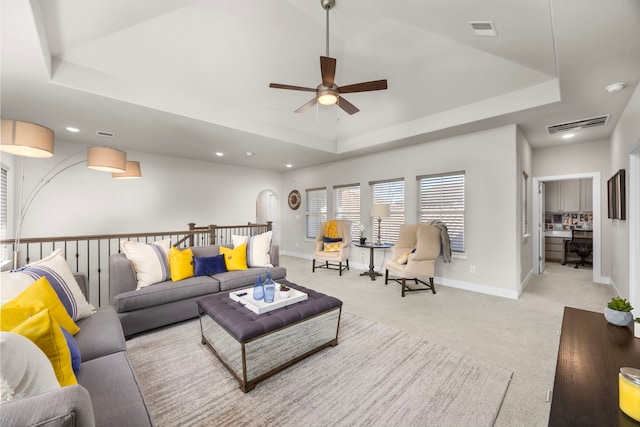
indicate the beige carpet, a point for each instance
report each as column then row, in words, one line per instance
column 376, row 376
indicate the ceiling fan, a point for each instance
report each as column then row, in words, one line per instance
column 327, row 92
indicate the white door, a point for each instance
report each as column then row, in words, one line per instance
column 541, row 228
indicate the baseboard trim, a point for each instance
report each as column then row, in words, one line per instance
column 458, row 284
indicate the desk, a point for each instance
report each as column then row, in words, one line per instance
column 372, row 272
column 591, row 353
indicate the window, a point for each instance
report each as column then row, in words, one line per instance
column 525, row 218
column 347, row 205
column 316, row 210
column 389, row 192
column 3, row 214
column 442, row 198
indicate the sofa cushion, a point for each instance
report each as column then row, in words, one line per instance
column 76, row 359
column 100, row 334
column 115, row 393
column 55, row 268
column 238, row 279
column 180, row 264
column 258, row 247
column 165, row 292
column 209, row 265
column 150, row 261
column 43, row 330
column 24, row 369
column 35, row 298
column 236, row 258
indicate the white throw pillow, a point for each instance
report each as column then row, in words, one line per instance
column 150, row 260
column 258, row 248
column 24, row 369
column 55, row 268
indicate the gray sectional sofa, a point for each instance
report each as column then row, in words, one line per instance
column 107, row 393
column 169, row 302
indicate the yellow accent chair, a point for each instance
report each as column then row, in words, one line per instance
column 333, row 255
column 414, row 257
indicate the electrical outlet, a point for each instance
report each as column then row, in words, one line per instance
column 472, row 268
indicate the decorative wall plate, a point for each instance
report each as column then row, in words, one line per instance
column 294, row 199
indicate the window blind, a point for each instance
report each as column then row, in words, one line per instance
column 347, row 205
column 442, row 198
column 316, row 211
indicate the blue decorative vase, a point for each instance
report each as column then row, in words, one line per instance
column 269, row 288
column 258, row 289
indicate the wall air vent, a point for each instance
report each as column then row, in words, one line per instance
column 483, row 28
column 578, row 124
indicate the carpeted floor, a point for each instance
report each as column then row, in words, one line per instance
column 376, row 376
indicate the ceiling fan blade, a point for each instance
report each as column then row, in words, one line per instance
column 364, row 87
column 280, row 86
column 307, row 106
column 347, row 106
column 328, row 69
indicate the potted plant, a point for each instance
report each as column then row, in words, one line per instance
column 618, row 312
column 636, row 328
column 362, row 230
column 284, row 291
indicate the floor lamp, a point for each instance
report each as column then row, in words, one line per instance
column 379, row 210
column 31, row 140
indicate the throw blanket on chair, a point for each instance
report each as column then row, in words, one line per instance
column 445, row 246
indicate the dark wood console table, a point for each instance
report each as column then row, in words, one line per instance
column 591, row 353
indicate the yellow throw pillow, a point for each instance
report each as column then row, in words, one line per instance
column 236, row 258
column 37, row 297
column 332, row 247
column 43, row 330
column 331, row 229
column 403, row 259
column 180, row 264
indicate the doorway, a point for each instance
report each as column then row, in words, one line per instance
column 539, row 220
column 267, row 210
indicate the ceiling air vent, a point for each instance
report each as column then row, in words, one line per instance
column 578, row 124
column 483, row 28
column 105, row 133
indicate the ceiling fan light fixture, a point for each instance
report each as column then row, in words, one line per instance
column 327, row 95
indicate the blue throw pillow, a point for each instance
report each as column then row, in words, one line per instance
column 326, row 239
column 206, row 266
column 76, row 359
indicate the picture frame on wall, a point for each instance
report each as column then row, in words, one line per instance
column 617, row 208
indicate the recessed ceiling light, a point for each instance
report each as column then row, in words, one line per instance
column 72, row 129
column 615, row 87
column 219, row 154
column 249, row 153
column 568, row 135
column 289, row 165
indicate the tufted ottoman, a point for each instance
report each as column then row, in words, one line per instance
column 256, row 346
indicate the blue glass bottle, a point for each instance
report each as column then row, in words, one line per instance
column 258, row 289
column 269, row 288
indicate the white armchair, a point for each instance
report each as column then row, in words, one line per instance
column 414, row 256
column 333, row 260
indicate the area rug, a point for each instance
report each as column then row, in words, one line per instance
column 376, row 376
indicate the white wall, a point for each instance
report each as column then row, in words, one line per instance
column 491, row 220
column 625, row 136
column 172, row 193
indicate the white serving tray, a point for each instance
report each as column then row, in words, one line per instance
column 260, row 307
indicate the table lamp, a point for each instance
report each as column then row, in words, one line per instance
column 379, row 210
